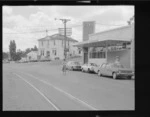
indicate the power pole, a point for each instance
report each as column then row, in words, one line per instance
column 46, row 32
column 64, row 22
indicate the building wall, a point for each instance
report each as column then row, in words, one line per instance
column 32, row 56
column 124, row 57
column 116, row 34
column 59, row 47
column 88, row 28
column 97, row 61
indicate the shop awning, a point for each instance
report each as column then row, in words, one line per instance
column 98, row 43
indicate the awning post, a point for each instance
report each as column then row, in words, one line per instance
column 106, row 51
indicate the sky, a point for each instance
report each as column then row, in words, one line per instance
column 27, row 24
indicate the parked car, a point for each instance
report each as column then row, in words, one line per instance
column 115, row 70
column 96, row 67
column 73, row 65
column 88, row 67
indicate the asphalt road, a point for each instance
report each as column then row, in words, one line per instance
column 42, row 86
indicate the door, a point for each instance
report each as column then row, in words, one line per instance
column 85, row 58
column 108, row 70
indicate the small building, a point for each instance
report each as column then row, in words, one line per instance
column 105, row 46
column 33, row 55
column 52, row 47
column 23, row 59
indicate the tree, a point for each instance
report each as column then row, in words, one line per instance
column 35, row 48
column 12, row 50
column 27, row 50
column 5, row 55
column 18, row 55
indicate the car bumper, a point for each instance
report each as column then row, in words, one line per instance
column 77, row 68
column 124, row 75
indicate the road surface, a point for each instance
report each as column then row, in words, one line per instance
column 42, row 86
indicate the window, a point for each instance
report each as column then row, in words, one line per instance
column 103, row 65
column 79, row 51
column 54, row 52
column 42, row 43
column 48, row 43
column 43, row 52
column 54, row 41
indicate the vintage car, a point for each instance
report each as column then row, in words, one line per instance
column 88, row 67
column 115, row 70
column 73, row 65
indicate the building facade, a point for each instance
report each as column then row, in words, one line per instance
column 33, row 55
column 53, row 47
column 104, row 46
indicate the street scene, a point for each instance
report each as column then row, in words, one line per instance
column 56, row 59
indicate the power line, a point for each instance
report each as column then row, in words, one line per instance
column 57, row 28
column 42, row 30
column 108, row 24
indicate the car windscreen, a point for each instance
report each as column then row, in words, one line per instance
column 92, row 64
column 76, row 63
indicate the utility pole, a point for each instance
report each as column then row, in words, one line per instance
column 131, row 23
column 64, row 22
column 46, row 32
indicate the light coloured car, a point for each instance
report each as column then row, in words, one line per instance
column 73, row 65
column 115, row 70
column 88, row 67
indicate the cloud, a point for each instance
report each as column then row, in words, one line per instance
column 44, row 18
column 7, row 10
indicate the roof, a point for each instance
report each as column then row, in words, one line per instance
column 33, row 52
column 109, row 37
column 56, row 37
column 103, row 43
column 113, row 29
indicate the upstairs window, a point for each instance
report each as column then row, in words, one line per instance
column 48, row 43
column 42, row 43
column 54, row 42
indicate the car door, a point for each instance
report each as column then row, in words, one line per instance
column 108, row 70
column 86, row 67
column 102, row 69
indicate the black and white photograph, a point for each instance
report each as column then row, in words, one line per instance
column 68, row 58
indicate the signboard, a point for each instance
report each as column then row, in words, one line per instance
column 68, row 31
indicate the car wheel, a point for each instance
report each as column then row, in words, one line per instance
column 99, row 73
column 72, row 68
column 132, row 77
column 114, row 75
column 82, row 70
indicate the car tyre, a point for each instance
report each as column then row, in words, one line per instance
column 88, row 70
column 72, row 68
column 114, row 75
column 99, row 73
column 132, row 77
column 82, row 70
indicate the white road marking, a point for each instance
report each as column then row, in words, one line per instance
column 67, row 94
column 38, row 91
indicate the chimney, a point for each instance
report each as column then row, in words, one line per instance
column 88, row 28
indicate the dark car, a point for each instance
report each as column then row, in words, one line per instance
column 115, row 70
column 73, row 65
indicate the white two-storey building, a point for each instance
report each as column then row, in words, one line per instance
column 53, row 47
